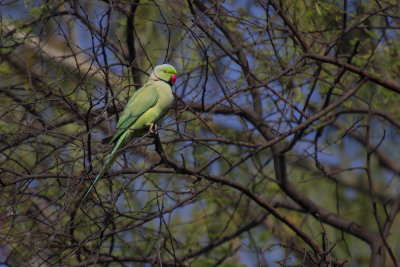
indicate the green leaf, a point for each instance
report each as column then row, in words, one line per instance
column 121, row 22
column 318, row 9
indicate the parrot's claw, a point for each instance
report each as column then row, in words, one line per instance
column 153, row 129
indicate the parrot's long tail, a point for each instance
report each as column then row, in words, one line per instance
column 113, row 156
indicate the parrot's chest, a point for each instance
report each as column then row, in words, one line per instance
column 158, row 110
column 165, row 97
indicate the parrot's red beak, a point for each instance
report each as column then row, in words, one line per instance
column 173, row 79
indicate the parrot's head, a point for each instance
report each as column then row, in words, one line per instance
column 165, row 72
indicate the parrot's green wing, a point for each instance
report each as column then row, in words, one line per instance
column 145, row 98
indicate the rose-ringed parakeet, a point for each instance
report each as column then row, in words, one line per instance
column 144, row 110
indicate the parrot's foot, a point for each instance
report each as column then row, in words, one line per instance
column 153, row 129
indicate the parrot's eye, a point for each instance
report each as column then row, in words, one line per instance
column 165, row 71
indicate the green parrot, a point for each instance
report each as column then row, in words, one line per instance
column 144, row 110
